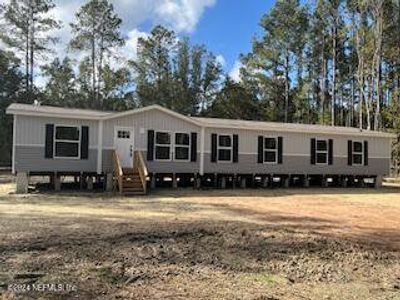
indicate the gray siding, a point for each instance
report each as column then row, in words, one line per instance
column 157, row 166
column 156, row 120
column 30, row 139
column 298, row 144
column 296, row 165
column 32, row 130
column 28, row 158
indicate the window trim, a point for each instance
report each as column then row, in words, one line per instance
column 170, row 145
column 225, row 148
column 322, row 151
column 55, row 140
column 182, row 146
column 357, row 153
column 271, row 150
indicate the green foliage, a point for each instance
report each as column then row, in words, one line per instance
column 175, row 74
column 324, row 62
column 234, row 101
column 11, row 81
column 61, row 87
column 96, row 31
column 25, row 27
column 273, row 58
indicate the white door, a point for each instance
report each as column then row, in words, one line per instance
column 124, row 144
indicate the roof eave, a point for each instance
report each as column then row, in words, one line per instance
column 314, row 131
column 153, row 107
column 51, row 115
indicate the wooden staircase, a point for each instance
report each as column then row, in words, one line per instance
column 130, row 181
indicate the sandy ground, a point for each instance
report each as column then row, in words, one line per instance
column 242, row 244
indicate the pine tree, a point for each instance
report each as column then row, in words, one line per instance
column 97, row 31
column 25, row 29
column 11, row 90
column 273, row 57
column 61, row 88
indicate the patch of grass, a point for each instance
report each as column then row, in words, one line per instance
column 265, row 278
column 106, row 274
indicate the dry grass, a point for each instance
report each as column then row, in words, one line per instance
column 253, row 244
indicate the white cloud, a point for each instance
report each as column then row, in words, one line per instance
column 182, row 15
column 234, row 73
column 221, row 59
column 130, row 49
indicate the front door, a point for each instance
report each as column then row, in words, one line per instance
column 123, row 142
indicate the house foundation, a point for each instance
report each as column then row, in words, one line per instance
column 22, row 182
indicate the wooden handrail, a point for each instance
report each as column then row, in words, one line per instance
column 140, row 165
column 118, row 173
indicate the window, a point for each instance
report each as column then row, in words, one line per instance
column 124, row 134
column 182, row 146
column 270, row 150
column 321, row 152
column 163, row 146
column 225, row 148
column 67, row 142
column 358, row 153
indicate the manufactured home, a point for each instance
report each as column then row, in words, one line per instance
column 145, row 147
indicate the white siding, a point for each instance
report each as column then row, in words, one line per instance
column 32, row 130
column 154, row 119
column 298, row 144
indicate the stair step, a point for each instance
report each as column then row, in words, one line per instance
column 133, row 191
column 132, row 184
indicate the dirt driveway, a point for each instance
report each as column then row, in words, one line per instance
column 253, row 244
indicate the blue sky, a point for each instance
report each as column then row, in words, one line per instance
column 226, row 27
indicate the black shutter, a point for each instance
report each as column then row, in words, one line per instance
column 214, row 147
column 150, row 145
column 280, row 150
column 313, row 150
column 193, row 151
column 48, row 153
column 365, row 153
column 85, row 142
column 235, row 157
column 330, row 152
column 350, row 153
column 260, row 149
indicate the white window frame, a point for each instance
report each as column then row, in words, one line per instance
column 182, row 146
column 55, row 141
column 357, row 153
column 170, row 145
column 125, row 130
column 322, row 151
column 225, row 148
column 270, row 150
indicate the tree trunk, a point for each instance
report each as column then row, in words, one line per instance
column 323, row 80
column 368, row 101
column 334, row 58
column 32, row 49
column 287, row 87
column 378, row 61
column 27, row 62
column 94, row 72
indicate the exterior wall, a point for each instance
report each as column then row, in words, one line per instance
column 31, row 159
column 296, row 165
column 157, row 166
column 296, row 154
column 30, row 143
column 150, row 120
column 154, row 119
column 30, row 146
column 32, row 130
